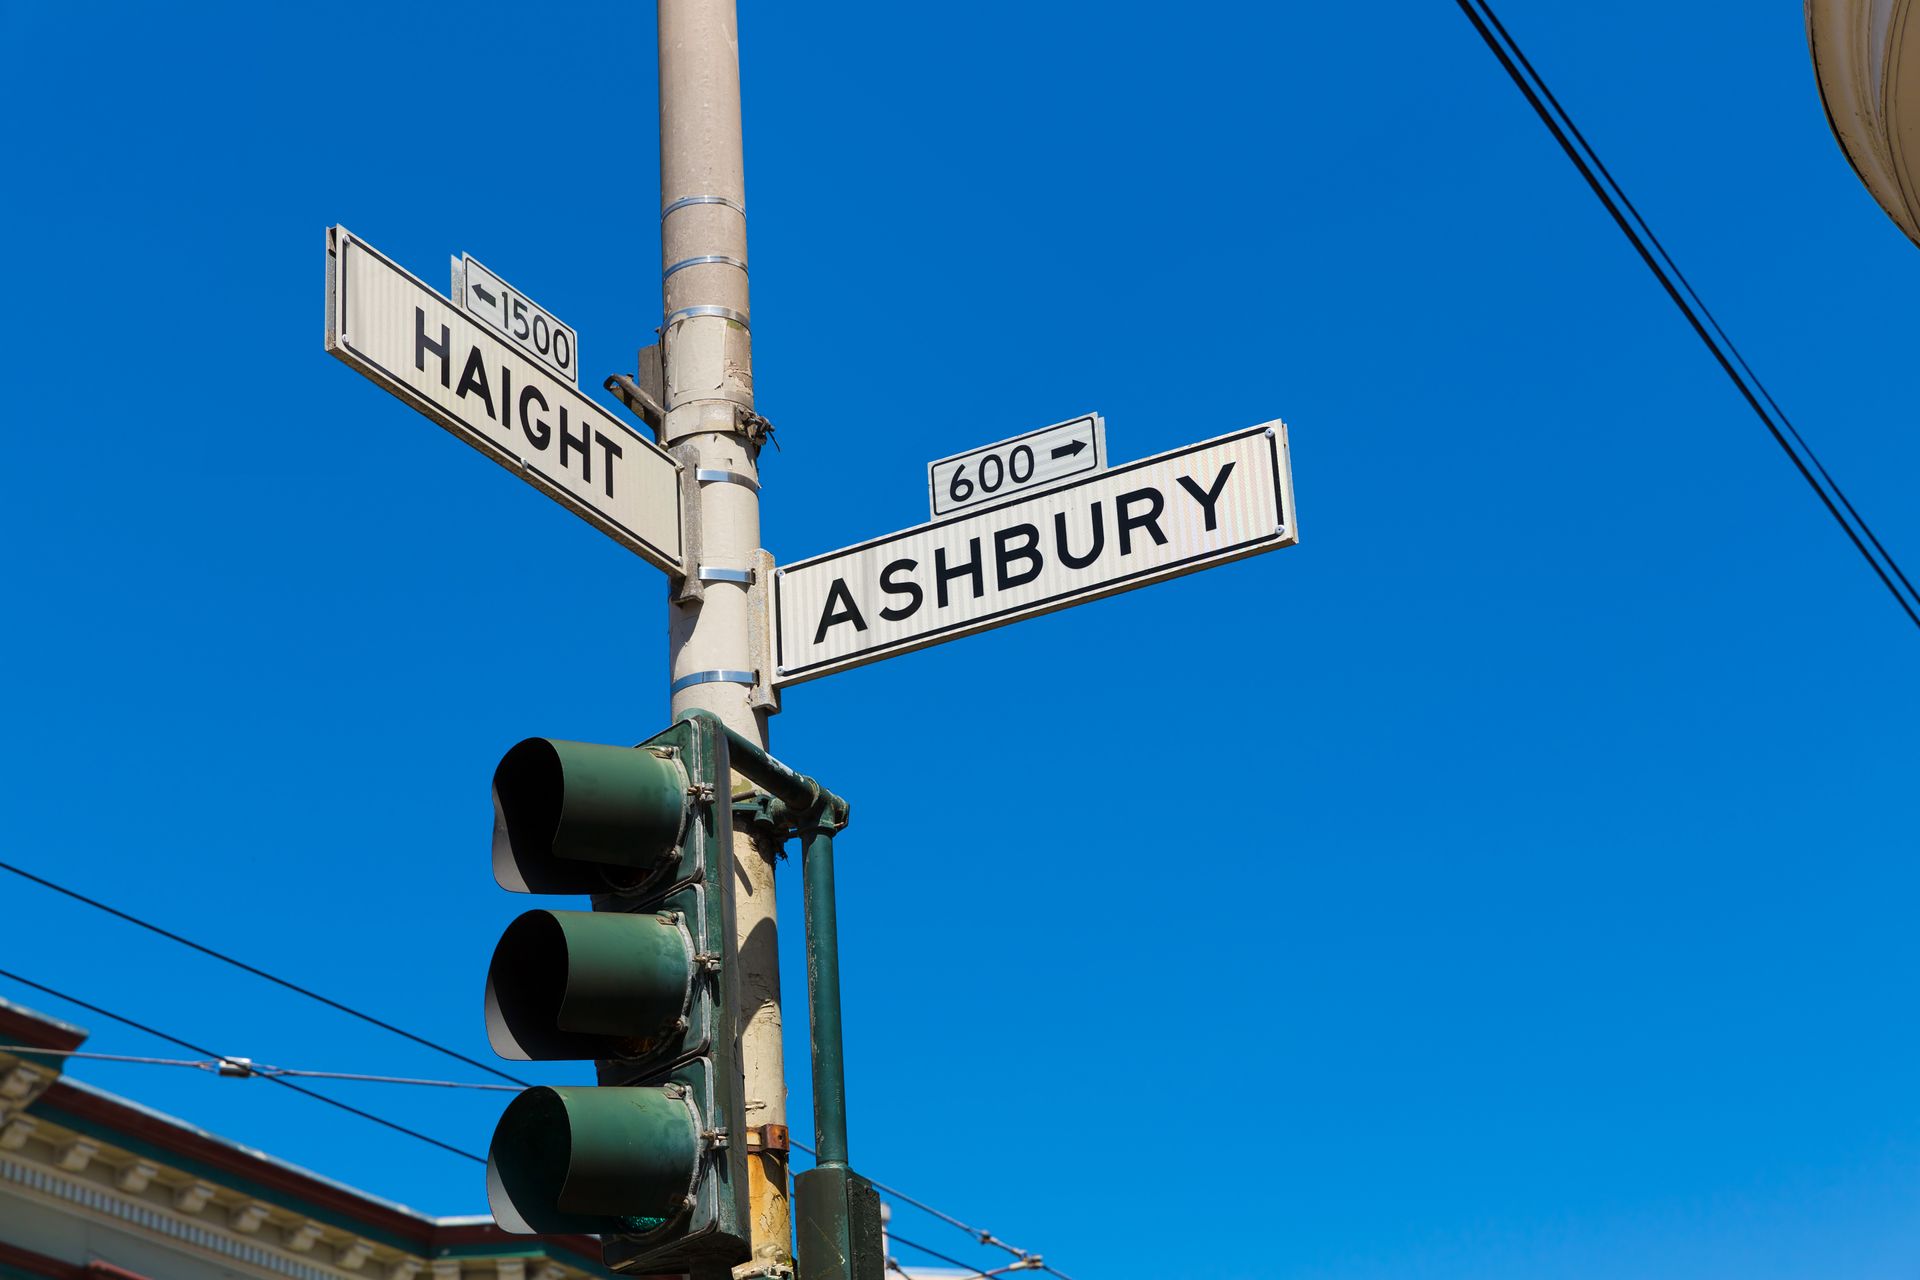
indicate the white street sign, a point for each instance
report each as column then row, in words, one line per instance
column 1176, row 513
column 390, row 326
column 519, row 319
column 1037, row 460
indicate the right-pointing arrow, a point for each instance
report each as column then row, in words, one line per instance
column 1069, row 450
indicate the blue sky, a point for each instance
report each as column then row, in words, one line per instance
column 1516, row 878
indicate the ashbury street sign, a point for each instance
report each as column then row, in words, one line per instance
column 390, row 326
column 1178, row 512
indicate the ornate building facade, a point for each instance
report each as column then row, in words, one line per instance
column 96, row 1186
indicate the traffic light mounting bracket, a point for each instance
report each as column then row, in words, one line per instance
column 837, row 1212
column 795, row 804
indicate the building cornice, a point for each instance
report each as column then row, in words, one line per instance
column 92, row 1154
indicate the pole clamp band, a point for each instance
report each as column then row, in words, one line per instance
column 708, row 475
column 711, row 677
column 684, row 201
column 705, row 260
column 687, row 313
column 712, row 573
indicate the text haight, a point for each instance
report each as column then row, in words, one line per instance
column 389, row 326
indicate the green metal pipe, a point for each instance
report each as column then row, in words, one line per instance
column 805, row 797
column 823, row 989
column 816, row 813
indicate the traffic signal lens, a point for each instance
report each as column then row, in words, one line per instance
column 584, row 984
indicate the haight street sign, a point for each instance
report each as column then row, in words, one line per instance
column 387, row 324
column 1172, row 514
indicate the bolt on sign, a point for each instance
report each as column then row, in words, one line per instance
column 1175, row 513
column 394, row 329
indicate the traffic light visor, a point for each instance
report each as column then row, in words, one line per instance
column 593, row 1160
column 579, row 817
column 584, row 984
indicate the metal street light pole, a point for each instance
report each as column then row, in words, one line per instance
column 707, row 367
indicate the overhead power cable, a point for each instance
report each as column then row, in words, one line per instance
column 1023, row 1259
column 244, row 1068
column 194, row 1048
column 1640, row 234
column 974, row 1272
column 242, row 965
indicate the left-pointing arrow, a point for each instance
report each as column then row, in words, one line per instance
column 485, row 297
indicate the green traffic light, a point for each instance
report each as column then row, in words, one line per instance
column 593, row 1160
column 579, row 817
column 583, row 984
column 652, row 1159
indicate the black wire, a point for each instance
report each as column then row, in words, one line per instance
column 285, row 1084
column 980, row 1235
column 334, row 1004
column 246, row 1068
column 935, row 1253
column 1574, row 128
column 262, row 973
column 1520, row 81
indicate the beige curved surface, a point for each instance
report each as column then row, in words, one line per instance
column 1866, row 58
